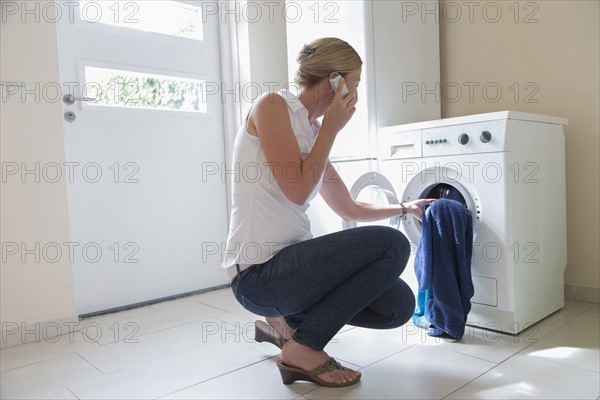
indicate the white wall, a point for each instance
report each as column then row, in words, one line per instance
column 345, row 20
column 32, row 213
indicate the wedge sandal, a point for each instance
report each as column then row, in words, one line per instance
column 291, row 374
column 264, row 332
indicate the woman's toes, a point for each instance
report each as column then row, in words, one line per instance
column 339, row 375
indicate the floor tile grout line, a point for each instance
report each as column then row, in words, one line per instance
column 52, row 390
column 218, row 376
column 495, row 362
column 480, row 375
column 560, row 363
column 562, row 324
column 155, row 359
column 469, row 382
column 158, row 330
column 166, row 356
column 235, row 323
column 81, row 380
column 218, row 308
column 504, row 361
column 381, row 359
column 75, row 352
column 92, row 365
column 73, row 393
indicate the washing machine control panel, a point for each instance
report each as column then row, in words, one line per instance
column 436, row 141
column 463, row 139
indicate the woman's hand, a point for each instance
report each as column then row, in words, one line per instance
column 339, row 111
column 416, row 208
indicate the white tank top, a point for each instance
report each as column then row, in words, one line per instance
column 263, row 220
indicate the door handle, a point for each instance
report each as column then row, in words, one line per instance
column 69, row 99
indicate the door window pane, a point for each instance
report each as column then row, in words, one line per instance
column 166, row 17
column 120, row 88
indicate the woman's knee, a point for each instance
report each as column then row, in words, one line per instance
column 393, row 242
column 406, row 303
column 402, row 249
column 398, row 246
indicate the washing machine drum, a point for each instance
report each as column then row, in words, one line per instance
column 434, row 184
column 444, row 191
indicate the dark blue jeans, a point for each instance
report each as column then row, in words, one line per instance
column 319, row 285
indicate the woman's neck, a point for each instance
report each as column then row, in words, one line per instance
column 313, row 99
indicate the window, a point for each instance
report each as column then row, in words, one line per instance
column 165, row 17
column 309, row 20
column 121, row 88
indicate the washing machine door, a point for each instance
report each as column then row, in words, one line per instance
column 440, row 183
column 373, row 188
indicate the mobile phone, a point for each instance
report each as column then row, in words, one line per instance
column 334, row 83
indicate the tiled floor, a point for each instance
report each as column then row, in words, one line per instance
column 202, row 347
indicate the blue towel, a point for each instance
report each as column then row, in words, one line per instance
column 443, row 269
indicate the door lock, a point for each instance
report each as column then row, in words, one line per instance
column 70, row 116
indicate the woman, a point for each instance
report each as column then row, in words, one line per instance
column 308, row 289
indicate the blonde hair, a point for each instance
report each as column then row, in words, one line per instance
column 323, row 56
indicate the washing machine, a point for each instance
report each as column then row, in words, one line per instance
column 508, row 169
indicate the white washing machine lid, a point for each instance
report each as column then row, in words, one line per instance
column 500, row 115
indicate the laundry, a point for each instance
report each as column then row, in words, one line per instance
column 443, row 269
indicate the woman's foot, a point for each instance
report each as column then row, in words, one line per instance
column 297, row 355
column 281, row 327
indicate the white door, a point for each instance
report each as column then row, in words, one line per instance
column 146, row 219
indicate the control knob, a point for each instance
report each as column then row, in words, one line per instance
column 485, row 137
column 463, row 138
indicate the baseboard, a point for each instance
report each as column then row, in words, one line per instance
column 153, row 301
column 16, row 333
column 582, row 293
